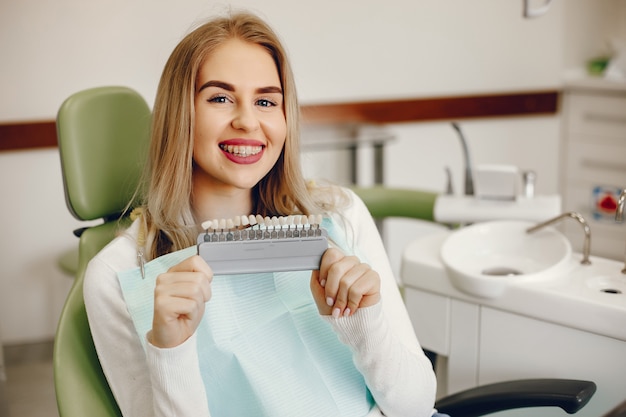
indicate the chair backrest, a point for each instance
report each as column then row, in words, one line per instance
column 103, row 135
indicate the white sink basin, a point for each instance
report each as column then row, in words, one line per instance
column 482, row 259
column 608, row 284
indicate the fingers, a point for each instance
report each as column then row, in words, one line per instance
column 192, row 274
column 179, row 299
column 347, row 284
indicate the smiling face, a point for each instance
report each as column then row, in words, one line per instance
column 240, row 126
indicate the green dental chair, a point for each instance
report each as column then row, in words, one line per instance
column 103, row 136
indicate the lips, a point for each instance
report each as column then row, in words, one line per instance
column 243, row 151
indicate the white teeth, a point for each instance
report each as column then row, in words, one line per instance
column 283, row 222
column 241, row 150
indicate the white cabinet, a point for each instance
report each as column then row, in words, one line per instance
column 478, row 344
column 594, row 162
column 536, row 349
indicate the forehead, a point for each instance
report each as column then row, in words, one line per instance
column 238, row 60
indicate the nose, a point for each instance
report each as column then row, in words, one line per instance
column 245, row 118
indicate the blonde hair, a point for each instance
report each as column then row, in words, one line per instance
column 168, row 218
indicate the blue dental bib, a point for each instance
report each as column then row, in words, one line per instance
column 263, row 348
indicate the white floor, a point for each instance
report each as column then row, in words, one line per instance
column 29, row 388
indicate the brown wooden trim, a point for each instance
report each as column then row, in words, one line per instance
column 42, row 134
column 431, row 109
column 27, row 135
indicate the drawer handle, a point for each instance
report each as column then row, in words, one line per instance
column 594, row 117
column 603, row 165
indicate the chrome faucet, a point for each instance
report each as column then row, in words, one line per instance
column 469, row 182
column 619, row 211
column 581, row 220
column 619, row 217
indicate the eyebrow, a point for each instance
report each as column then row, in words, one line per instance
column 230, row 87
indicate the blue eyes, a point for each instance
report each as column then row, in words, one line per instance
column 218, row 99
column 263, row 102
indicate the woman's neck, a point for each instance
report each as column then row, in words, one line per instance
column 221, row 204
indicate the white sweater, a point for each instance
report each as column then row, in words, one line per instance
column 167, row 382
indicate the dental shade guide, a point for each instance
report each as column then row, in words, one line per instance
column 255, row 244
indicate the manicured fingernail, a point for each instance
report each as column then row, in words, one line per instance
column 323, row 283
column 346, row 312
column 336, row 313
column 330, row 301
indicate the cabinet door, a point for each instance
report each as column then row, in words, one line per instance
column 594, row 168
column 516, row 347
column 430, row 316
column 597, row 116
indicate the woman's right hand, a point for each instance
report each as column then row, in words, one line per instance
column 179, row 299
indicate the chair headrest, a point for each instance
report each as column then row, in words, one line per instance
column 103, row 136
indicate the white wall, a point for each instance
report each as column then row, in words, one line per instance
column 590, row 26
column 341, row 51
column 36, row 228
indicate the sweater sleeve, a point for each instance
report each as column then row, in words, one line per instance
column 152, row 383
column 177, row 388
column 381, row 337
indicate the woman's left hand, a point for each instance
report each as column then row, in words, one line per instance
column 343, row 284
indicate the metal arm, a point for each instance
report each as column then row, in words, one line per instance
column 469, row 181
column 619, row 217
column 581, row 220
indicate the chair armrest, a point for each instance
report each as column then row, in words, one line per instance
column 385, row 202
column 570, row 395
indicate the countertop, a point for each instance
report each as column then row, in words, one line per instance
column 570, row 300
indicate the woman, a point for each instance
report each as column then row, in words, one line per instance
column 175, row 340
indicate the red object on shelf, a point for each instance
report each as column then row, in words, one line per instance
column 607, row 203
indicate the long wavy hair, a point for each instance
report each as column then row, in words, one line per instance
column 169, row 222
